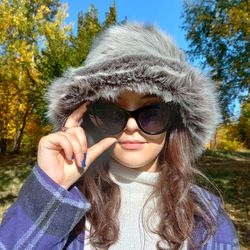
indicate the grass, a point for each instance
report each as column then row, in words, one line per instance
column 229, row 171
column 14, row 169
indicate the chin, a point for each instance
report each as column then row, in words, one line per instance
column 131, row 162
column 144, row 158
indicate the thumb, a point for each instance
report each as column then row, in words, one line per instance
column 98, row 148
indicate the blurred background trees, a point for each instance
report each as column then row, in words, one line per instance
column 218, row 32
column 35, row 47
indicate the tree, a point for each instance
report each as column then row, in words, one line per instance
column 228, row 138
column 24, row 27
column 88, row 26
column 36, row 47
column 244, row 123
column 219, row 33
column 63, row 52
column 110, row 16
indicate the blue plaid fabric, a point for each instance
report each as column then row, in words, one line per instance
column 44, row 215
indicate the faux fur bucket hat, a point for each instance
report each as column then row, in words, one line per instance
column 140, row 58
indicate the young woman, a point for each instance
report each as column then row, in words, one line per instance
column 118, row 171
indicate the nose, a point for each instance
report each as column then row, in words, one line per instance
column 131, row 125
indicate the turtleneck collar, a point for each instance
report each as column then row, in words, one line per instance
column 122, row 175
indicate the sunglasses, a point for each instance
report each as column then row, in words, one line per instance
column 151, row 119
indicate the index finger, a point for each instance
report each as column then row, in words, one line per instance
column 75, row 117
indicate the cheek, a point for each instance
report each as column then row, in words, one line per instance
column 158, row 139
column 156, row 143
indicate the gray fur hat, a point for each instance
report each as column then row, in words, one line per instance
column 140, row 58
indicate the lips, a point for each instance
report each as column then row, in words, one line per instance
column 132, row 142
column 128, row 145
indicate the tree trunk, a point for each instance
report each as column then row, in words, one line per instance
column 213, row 142
column 20, row 133
column 3, row 145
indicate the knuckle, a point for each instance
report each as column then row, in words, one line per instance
column 81, row 129
column 61, row 133
column 77, row 146
column 78, row 130
column 76, row 140
column 70, row 136
column 65, row 139
column 42, row 140
column 45, row 138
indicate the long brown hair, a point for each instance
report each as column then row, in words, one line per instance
column 178, row 208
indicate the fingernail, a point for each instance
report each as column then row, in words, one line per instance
column 84, row 160
column 72, row 157
column 85, row 156
column 83, row 163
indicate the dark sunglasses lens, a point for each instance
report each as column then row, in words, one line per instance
column 109, row 118
column 153, row 120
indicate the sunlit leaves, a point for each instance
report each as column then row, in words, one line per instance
column 219, row 36
column 24, row 28
column 35, row 47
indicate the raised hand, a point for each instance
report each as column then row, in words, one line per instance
column 61, row 154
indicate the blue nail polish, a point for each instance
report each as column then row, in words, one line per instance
column 83, row 163
column 84, row 160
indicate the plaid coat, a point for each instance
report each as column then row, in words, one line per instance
column 44, row 215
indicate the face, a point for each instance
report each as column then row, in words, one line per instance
column 134, row 148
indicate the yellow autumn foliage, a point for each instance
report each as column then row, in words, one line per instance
column 22, row 34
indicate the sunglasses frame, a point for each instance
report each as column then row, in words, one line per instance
column 134, row 114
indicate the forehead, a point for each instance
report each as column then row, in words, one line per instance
column 126, row 96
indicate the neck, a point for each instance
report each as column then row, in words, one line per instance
column 152, row 166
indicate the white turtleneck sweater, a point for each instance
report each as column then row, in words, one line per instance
column 135, row 188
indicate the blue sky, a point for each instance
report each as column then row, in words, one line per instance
column 164, row 13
